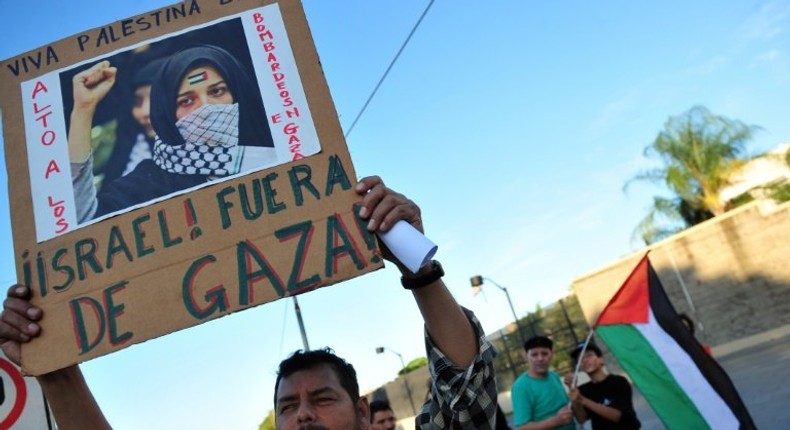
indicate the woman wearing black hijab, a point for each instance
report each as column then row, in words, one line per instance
column 209, row 119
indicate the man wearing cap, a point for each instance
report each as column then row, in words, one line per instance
column 539, row 398
column 606, row 399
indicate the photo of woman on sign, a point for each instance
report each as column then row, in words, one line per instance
column 209, row 120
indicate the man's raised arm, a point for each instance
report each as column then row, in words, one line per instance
column 463, row 386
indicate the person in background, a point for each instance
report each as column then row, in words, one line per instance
column 381, row 415
column 689, row 323
column 539, row 398
column 607, row 399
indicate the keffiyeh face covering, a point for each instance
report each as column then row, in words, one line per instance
column 211, row 143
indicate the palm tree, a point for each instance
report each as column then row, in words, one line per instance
column 699, row 151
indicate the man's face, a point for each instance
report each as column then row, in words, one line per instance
column 591, row 362
column 539, row 359
column 313, row 399
column 383, row 420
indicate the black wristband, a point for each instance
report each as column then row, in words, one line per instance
column 423, row 280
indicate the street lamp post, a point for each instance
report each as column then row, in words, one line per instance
column 477, row 281
column 301, row 324
column 380, row 350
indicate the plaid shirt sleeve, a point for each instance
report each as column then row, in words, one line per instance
column 461, row 398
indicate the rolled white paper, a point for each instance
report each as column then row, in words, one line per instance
column 409, row 246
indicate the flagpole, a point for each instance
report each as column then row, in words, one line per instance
column 685, row 290
column 579, row 360
column 578, row 366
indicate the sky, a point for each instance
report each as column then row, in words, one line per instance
column 513, row 124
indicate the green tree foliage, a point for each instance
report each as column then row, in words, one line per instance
column 698, row 151
column 781, row 191
column 414, row 365
column 268, row 423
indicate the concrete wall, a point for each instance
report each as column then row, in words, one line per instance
column 731, row 273
column 395, row 392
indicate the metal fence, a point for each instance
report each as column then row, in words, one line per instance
column 561, row 321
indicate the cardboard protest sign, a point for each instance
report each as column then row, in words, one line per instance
column 237, row 191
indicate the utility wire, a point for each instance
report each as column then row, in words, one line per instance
column 386, row 72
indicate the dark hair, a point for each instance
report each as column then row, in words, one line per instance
column 304, row 360
column 253, row 124
column 590, row 347
column 689, row 323
column 538, row 342
column 378, row 406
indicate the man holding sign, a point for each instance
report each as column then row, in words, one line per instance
column 317, row 387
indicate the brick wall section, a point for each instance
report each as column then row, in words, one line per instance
column 736, row 270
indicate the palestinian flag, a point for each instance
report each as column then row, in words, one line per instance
column 686, row 387
column 197, row 78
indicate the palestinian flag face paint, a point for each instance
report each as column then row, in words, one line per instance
column 198, row 77
column 686, row 387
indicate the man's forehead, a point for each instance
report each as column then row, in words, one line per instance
column 320, row 377
column 540, row 350
column 382, row 414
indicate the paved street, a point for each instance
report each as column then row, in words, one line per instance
column 762, row 375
